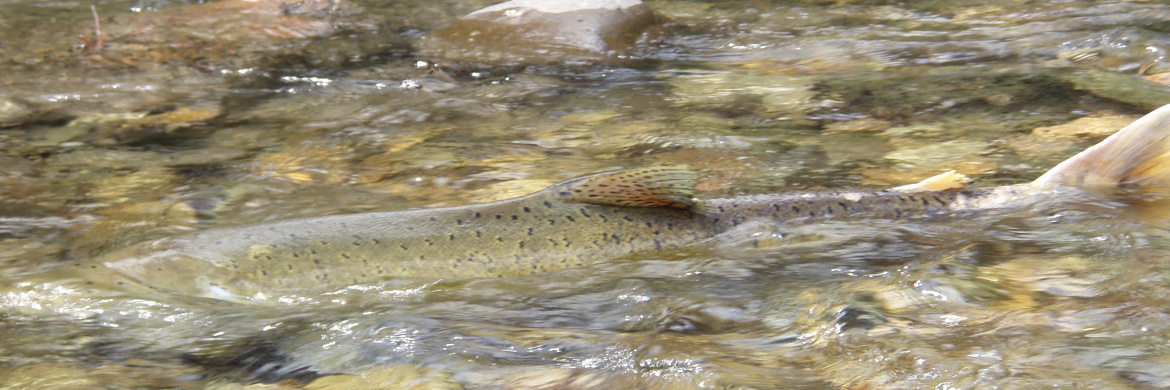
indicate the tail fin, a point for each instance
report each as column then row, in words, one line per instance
column 1137, row 155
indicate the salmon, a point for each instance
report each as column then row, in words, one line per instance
column 576, row 223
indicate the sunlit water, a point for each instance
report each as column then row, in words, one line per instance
column 757, row 96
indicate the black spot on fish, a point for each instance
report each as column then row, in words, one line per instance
column 570, row 218
column 775, row 207
column 843, row 206
column 649, row 225
column 478, row 234
column 514, row 217
column 376, row 241
column 317, row 262
column 267, row 257
column 403, row 247
column 547, row 204
column 499, row 216
column 312, row 251
column 357, row 243
column 499, row 239
column 432, row 219
column 345, row 255
column 897, row 213
column 527, row 210
column 294, row 254
column 552, row 221
column 812, row 214
column 477, row 215
column 458, row 221
column 324, row 242
column 429, row 242
column 264, row 272
column 451, row 237
column 584, row 213
column 925, row 202
column 530, row 231
column 290, row 267
column 627, row 218
column 795, row 209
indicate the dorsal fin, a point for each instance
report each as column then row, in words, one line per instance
column 1138, row 154
column 645, row 187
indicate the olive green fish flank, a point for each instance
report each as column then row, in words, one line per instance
column 576, row 223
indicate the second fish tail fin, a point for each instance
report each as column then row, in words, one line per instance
column 1137, row 155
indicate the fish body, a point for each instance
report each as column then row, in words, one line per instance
column 573, row 224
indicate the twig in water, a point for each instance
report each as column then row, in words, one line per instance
column 97, row 29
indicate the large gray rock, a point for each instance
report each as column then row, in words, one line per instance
column 542, row 31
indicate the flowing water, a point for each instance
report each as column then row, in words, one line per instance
column 160, row 132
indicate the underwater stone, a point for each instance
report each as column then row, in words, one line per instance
column 530, row 31
column 1122, row 88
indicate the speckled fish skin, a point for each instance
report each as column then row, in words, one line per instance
column 573, row 224
column 537, row 233
column 517, row 237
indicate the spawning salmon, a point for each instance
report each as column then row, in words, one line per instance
column 575, row 223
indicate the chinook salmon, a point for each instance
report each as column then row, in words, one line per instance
column 575, row 223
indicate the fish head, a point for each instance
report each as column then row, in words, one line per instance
column 161, row 266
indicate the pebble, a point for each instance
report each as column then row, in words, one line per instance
column 542, row 31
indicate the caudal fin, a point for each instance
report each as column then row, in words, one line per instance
column 1137, row 155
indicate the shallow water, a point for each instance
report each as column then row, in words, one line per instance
column 101, row 149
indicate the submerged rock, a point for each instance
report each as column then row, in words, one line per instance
column 236, row 32
column 533, row 31
column 1122, row 88
column 1094, row 128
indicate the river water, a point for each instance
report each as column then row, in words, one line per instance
column 155, row 132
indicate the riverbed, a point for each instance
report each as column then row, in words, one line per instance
column 183, row 118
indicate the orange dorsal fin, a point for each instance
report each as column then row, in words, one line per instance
column 645, row 187
column 1137, row 155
